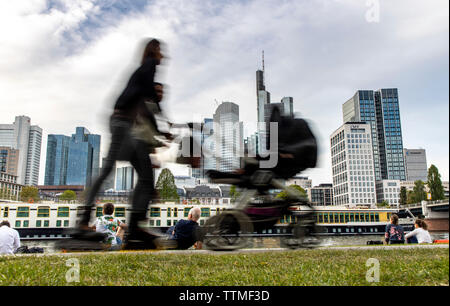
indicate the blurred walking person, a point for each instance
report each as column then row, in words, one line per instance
column 130, row 105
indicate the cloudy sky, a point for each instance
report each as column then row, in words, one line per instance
column 63, row 62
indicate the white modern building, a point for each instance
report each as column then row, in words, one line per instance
column 353, row 165
column 389, row 191
column 26, row 138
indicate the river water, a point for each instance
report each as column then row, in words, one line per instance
column 267, row 242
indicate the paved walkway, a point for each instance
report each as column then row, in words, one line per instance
column 246, row 251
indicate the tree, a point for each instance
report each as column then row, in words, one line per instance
column 68, row 195
column 410, row 197
column 166, row 186
column 403, row 195
column 383, row 204
column 435, row 184
column 234, row 194
column 419, row 193
column 29, row 194
column 283, row 195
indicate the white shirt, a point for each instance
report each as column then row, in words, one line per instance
column 9, row 240
column 423, row 236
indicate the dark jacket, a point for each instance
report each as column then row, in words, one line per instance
column 139, row 89
column 186, row 233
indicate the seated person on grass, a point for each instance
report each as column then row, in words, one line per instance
column 111, row 226
column 187, row 232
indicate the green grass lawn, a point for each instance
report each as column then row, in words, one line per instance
column 286, row 268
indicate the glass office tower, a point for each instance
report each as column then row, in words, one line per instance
column 381, row 110
column 72, row 160
column 56, row 160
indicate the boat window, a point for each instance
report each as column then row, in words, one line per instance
column 186, row 211
column 175, row 212
column 169, row 212
column 6, row 212
column 205, row 212
column 336, row 218
column 372, row 217
column 320, row 217
column 352, row 217
column 288, row 219
column 46, row 223
column 152, row 222
column 347, row 217
column 66, row 223
column 367, row 217
column 25, row 223
column 63, row 211
column 58, row 223
column 356, row 217
column 17, row 223
column 158, row 222
column 169, row 223
column 325, row 217
column 341, row 218
column 119, row 212
column 331, row 218
column 155, row 212
column 38, row 223
column 43, row 212
column 377, row 217
column 99, row 212
column 23, row 212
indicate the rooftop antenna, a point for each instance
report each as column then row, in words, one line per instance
column 263, row 59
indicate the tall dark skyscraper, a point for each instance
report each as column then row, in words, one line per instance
column 56, row 160
column 262, row 96
column 381, row 110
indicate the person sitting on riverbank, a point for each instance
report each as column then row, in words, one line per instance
column 111, row 226
column 9, row 239
column 420, row 234
column 394, row 233
column 187, row 232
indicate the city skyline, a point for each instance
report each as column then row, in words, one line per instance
column 326, row 53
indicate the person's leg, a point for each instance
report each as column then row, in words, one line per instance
column 412, row 239
column 144, row 189
column 119, row 133
column 120, row 233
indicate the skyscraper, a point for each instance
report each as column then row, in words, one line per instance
column 125, row 178
column 380, row 109
column 72, row 160
column 25, row 138
column 205, row 138
column 227, row 136
column 56, row 160
column 415, row 164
